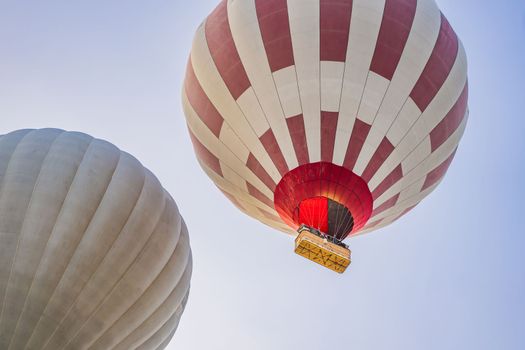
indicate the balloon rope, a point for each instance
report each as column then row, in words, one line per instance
column 349, row 220
column 337, row 221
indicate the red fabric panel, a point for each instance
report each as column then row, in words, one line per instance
column 391, row 179
column 398, row 17
column 357, row 139
column 327, row 180
column 275, row 31
column 223, row 51
column 386, row 205
column 451, row 122
column 314, row 213
column 274, row 151
column 259, row 195
column 435, row 175
column 201, row 103
column 298, row 134
column 438, row 66
column 253, row 164
column 328, row 130
column 335, row 26
column 205, row 155
column 380, row 155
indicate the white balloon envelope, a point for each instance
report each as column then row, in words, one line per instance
column 93, row 251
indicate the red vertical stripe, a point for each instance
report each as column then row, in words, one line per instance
column 223, row 51
column 201, row 103
column 357, row 139
column 335, row 26
column 381, row 154
column 438, row 66
column 275, row 32
column 398, row 17
column 298, row 134
column 328, row 130
column 450, row 123
column 435, row 175
column 205, row 155
column 274, row 151
column 391, row 179
column 253, row 164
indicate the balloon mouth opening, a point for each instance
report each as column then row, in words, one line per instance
column 324, row 196
column 326, row 215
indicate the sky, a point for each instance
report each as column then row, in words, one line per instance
column 448, row 275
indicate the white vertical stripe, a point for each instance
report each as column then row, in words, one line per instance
column 232, row 177
column 304, row 28
column 286, row 83
column 246, row 33
column 218, row 93
column 232, row 141
column 420, row 153
column 331, row 85
column 411, row 190
column 253, row 112
column 364, row 29
column 376, row 87
column 406, row 118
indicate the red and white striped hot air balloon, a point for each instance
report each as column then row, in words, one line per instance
column 341, row 115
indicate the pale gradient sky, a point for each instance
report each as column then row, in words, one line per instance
column 449, row 275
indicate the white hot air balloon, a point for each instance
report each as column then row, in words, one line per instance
column 93, row 251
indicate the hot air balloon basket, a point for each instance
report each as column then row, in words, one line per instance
column 318, row 249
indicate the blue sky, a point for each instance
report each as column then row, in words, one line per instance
column 449, row 275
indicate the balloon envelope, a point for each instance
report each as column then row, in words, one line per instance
column 93, row 251
column 342, row 115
